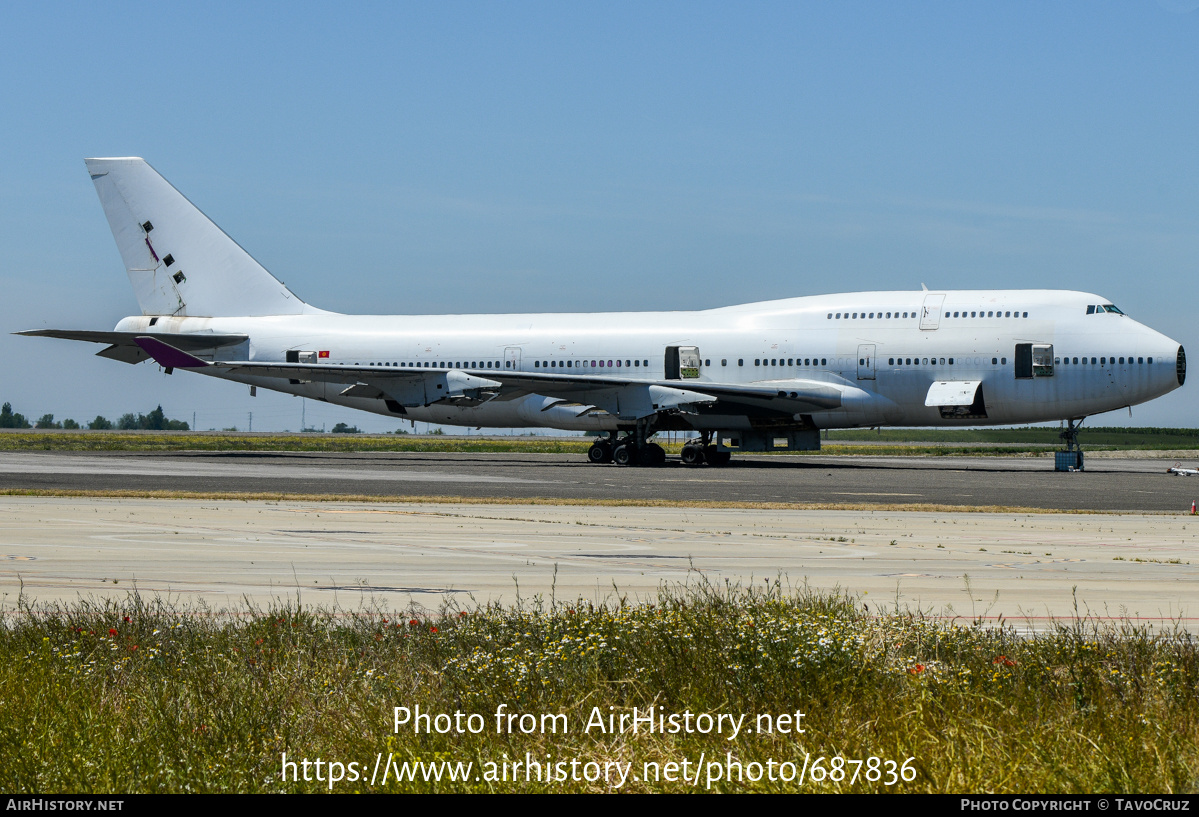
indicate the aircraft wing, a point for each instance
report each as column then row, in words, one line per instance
column 627, row 398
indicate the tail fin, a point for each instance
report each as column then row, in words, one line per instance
column 179, row 262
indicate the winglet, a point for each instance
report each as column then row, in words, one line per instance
column 166, row 355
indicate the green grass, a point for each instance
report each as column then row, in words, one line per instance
column 143, row 696
column 218, row 441
column 892, row 442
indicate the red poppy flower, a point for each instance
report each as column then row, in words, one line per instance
column 128, row 620
column 432, row 629
column 414, row 623
column 111, row 631
column 916, row 670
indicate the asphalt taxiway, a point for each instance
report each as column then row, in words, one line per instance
column 1116, row 541
column 1124, row 484
column 223, row 553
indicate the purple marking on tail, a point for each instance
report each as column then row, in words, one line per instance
column 166, row 355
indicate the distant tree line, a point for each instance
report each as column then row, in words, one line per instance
column 10, row 420
column 156, row 420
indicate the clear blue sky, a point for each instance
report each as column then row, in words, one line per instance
column 479, row 157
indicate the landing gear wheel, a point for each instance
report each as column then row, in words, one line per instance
column 654, row 454
column 693, row 455
column 625, row 455
column 714, row 456
column 600, row 452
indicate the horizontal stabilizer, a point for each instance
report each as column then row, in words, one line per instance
column 123, row 346
column 192, row 342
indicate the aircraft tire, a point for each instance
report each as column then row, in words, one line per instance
column 714, row 456
column 599, row 453
column 692, row 455
column 625, row 455
column 655, row 454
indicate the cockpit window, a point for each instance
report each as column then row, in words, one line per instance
column 1112, row 308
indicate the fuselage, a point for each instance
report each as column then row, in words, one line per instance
column 883, row 350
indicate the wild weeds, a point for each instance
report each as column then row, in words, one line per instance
column 144, row 695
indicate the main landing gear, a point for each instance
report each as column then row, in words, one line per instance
column 697, row 452
column 635, row 449
column 626, row 450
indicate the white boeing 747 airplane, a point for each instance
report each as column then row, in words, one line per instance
column 753, row 377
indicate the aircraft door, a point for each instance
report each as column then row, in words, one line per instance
column 930, row 315
column 688, row 362
column 1034, row 360
column 866, row 362
column 512, row 358
column 296, row 356
column 682, row 362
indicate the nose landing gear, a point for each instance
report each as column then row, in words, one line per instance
column 1071, row 458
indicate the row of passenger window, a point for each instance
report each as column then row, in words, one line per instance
column 978, row 313
column 848, row 316
column 999, row 361
column 806, row 361
column 437, row 364
column 1103, row 361
column 571, row 363
column 778, row 361
column 932, row 361
column 991, row 313
column 507, row 364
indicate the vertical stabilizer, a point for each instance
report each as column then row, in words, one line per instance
column 179, row 262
